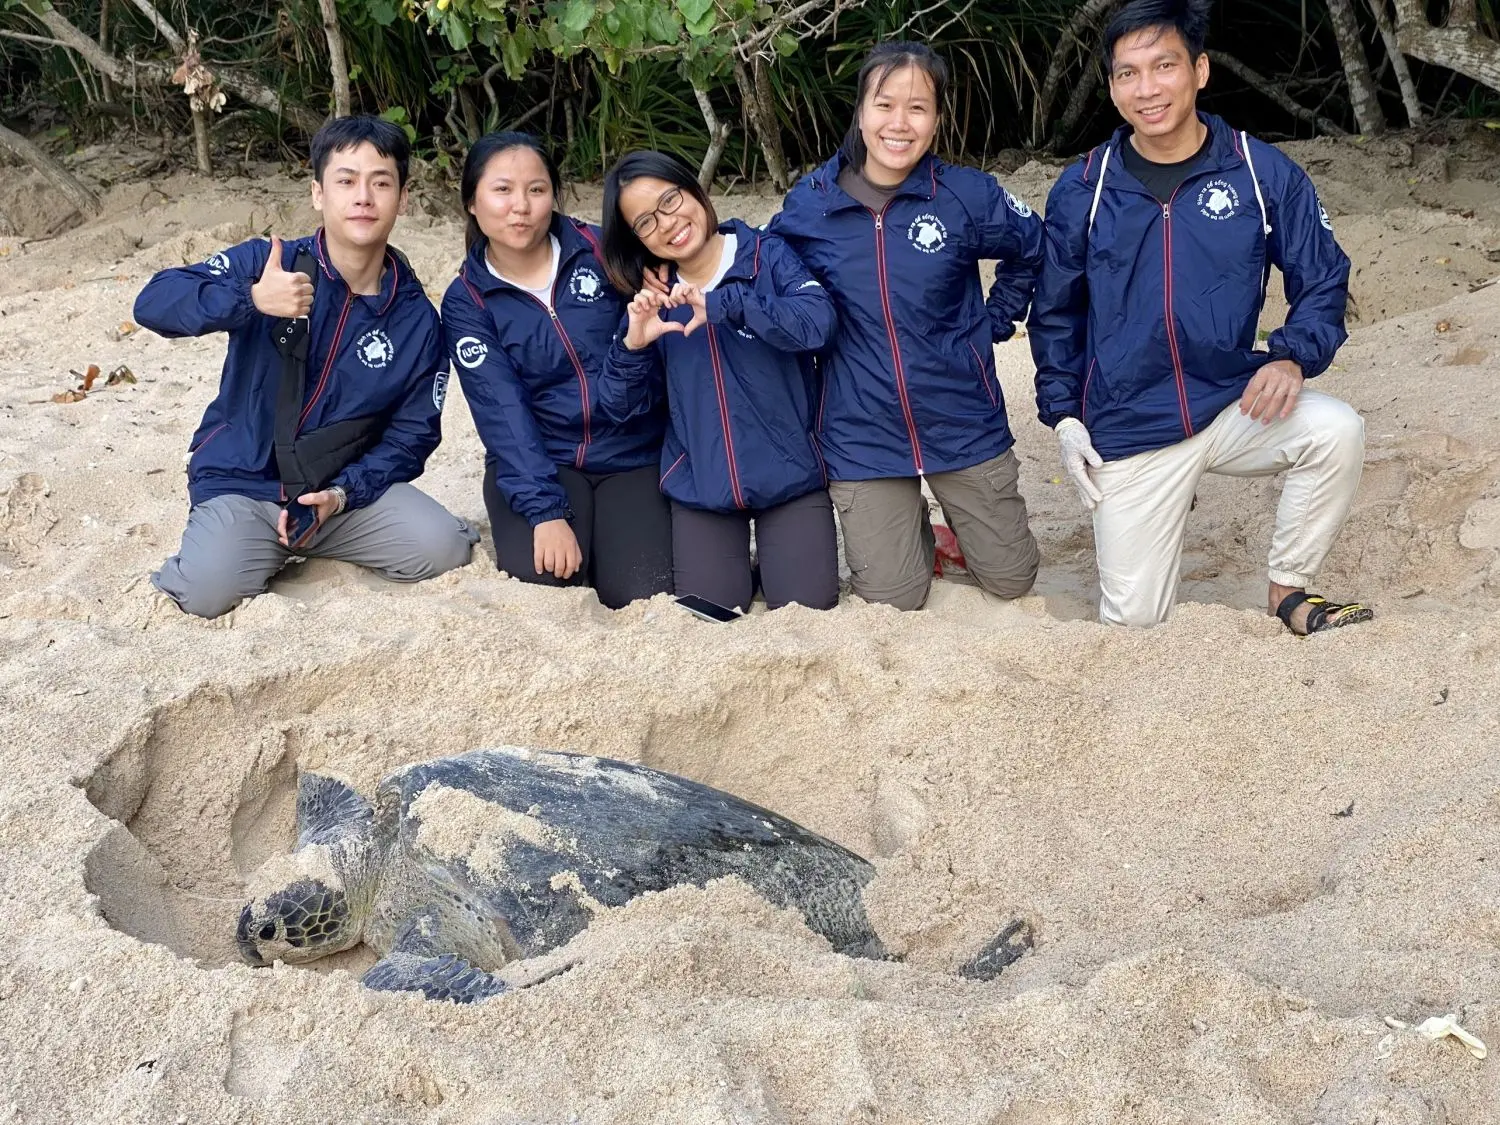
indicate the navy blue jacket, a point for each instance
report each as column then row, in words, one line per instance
column 1144, row 328
column 909, row 384
column 531, row 376
column 740, row 389
column 367, row 355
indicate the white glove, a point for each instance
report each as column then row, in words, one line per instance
column 1078, row 452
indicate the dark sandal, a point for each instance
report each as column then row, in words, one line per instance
column 1324, row 614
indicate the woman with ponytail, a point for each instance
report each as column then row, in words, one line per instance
column 909, row 385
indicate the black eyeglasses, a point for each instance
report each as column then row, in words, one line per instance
column 670, row 201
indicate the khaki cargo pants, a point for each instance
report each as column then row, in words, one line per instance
column 888, row 541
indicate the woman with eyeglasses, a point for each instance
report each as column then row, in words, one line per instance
column 732, row 340
column 909, row 384
column 572, row 496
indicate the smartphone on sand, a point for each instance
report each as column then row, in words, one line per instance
column 709, row 611
column 301, row 522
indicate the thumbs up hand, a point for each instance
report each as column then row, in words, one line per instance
column 281, row 292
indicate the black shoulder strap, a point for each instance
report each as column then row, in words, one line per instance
column 290, row 336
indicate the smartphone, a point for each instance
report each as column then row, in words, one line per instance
column 301, row 522
column 709, row 611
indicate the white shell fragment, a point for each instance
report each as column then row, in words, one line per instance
column 1439, row 1027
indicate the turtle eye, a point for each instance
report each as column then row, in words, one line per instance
column 268, row 932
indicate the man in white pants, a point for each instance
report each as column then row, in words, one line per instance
column 1159, row 245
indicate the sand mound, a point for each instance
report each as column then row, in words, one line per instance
column 1238, row 851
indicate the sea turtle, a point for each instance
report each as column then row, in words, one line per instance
column 465, row 863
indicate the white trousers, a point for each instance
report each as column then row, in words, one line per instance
column 1139, row 525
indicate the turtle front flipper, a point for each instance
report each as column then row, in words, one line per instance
column 418, row 962
column 329, row 811
column 445, row 977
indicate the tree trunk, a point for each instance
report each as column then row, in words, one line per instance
column 200, row 140
column 1409, row 97
column 337, row 61
column 718, row 137
column 1088, row 81
column 149, row 72
column 72, row 188
column 1459, row 46
column 760, row 105
column 106, row 89
column 1057, row 67
column 1362, row 96
column 1275, row 93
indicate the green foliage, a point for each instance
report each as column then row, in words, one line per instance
column 603, row 76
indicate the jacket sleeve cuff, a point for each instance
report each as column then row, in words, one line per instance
column 725, row 306
column 627, row 359
column 1277, row 348
column 563, row 513
column 355, row 496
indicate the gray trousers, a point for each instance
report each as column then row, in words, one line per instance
column 888, row 539
column 230, row 551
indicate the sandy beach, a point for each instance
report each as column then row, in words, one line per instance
column 1239, row 851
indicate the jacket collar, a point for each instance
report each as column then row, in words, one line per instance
column 1223, row 148
column 572, row 242
column 392, row 278
column 746, row 262
column 921, row 182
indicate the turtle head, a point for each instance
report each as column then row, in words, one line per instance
column 303, row 921
column 314, row 902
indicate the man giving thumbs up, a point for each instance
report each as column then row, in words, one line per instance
column 331, row 395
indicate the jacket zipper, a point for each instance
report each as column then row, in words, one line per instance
column 213, row 433
column 1166, row 234
column 333, row 352
column 583, row 382
column 1083, row 405
column 890, row 328
column 734, row 472
column 979, row 363
column 672, row 470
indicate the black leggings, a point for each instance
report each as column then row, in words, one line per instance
column 623, row 526
column 795, row 545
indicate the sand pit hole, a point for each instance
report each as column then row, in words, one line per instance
column 202, row 790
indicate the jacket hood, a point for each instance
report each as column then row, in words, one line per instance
column 921, row 181
column 397, row 280
column 1224, row 142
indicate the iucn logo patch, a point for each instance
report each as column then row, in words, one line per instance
column 471, row 351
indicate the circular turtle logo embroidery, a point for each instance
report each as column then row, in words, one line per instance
column 374, row 349
column 927, row 233
column 1218, row 200
column 1022, row 209
column 471, row 351
column 586, row 285
column 218, row 264
column 1323, row 216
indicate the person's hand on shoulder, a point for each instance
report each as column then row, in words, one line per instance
column 281, row 292
column 1078, row 454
